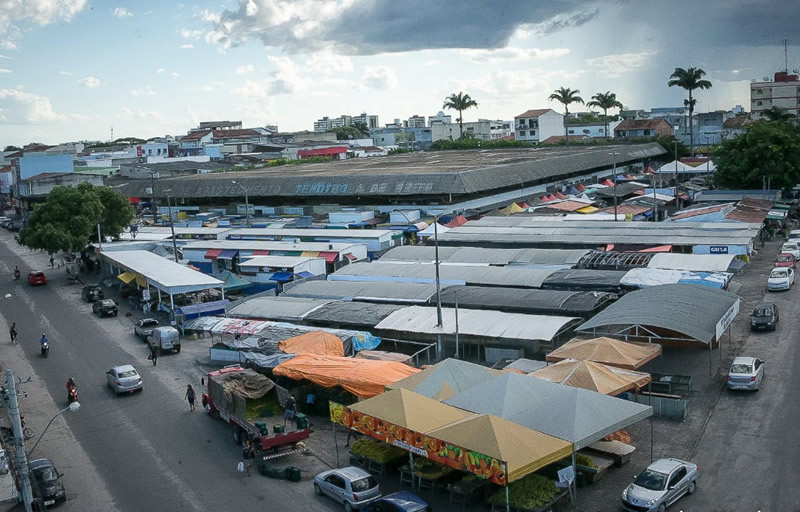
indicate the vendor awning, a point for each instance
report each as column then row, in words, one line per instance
column 227, row 254
column 349, row 256
column 126, row 277
column 304, row 274
column 310, row 254
column 330, row 257
column 212, row 254
column 622, row 354
column 597, row 377
column 281, row 277
column 260, row 252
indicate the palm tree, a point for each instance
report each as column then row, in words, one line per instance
column 460, row 102
column 689, row 79
column 361, row 127
column 778, row 114
column 566, row 96
column 605, row 101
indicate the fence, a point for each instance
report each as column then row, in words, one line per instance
column 663, row 406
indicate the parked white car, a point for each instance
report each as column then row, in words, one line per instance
column 781, row 278
column 792, row 248
column 746, row 373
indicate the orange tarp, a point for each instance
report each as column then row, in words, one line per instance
column 364, row 378
column 315, row 342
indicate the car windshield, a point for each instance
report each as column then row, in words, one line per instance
column 764, row 312
column 790, row 247
column 741, row 368
column 779, row 274
column 149, row 323
column 652, row 480
column 785, row 257
column 127, row 373
column 363, row 485
column 46, row 474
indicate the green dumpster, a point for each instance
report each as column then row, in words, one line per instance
column 277, row 429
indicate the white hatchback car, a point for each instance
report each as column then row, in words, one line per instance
column 781, row 278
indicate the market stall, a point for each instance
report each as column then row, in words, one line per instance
column 446, row 378
column 607, row 380
column 621, row 354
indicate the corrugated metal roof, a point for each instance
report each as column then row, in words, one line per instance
column 449, row 274
column 585, row 279
column 352, row 314
column 685, row 308
column 477, row 255
column 162, row 273
column 275, row 261
column 276, row 308
column 494, row 325
column 261, row 245
column 414, row 174
column 693, row 262
column 531, row 301
column 370, row 291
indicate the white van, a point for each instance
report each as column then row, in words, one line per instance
column 166, row 338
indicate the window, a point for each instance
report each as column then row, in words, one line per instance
column 336, row 481
column 571, row 132
column 646, row 132
column 602, row 130
column 759, row 103
column 522, row 133
column 759, row 91
column 677, row 476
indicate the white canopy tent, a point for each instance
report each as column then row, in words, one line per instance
column 150, row 270
column 682, row 168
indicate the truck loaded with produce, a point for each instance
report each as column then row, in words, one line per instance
column 248, row 400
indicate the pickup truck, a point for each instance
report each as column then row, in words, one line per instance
column 234, row 395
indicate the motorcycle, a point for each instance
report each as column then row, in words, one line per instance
column 45, row 349
column 72, row 395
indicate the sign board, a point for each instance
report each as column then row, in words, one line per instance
column 146, row 295
column 727, row 319
column 566, row 475
column 718, row 249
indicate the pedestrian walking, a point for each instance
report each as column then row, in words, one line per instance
column 13, row 332
column 247, row 456
column 289, row 410
column 153, row 353
column 189, row 396
column 52, row 262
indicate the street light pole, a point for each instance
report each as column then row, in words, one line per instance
column 153, row 202
column 172, row 226
column 615, row 154
column 246, row 204
column 21, row 463
column 73, row 407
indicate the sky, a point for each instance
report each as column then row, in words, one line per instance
column 72, row 70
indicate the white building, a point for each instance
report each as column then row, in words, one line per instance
column 480, row 129
column 322, row 125
column 782, row 92
column 499, row 129
column 416, row 121
column 538, row 125
column 370, row 121
column 592, row 129
column 441, row 117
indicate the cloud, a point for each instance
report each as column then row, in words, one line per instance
column 511, row 53
column 90, row 82
column 329, row 63
column 175, row 74
column 613, row 66
column 160, row 70
column 121, row 12
column 21, row 107
column 147, row 91
column 187, row 46
column 8, row 44
column 243, row 70
column 368, row 27
column 4, row 70
column 65, row 73
column 380, row 77
column 190, row 34
column 4, row 57
column 79, row 117
column 130, row 114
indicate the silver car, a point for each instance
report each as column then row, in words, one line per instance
column 144, row 327
column 660, row 485
column 124, row 379
column 351, row 486
column 746, row 373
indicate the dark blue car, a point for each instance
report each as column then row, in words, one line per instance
column 402, row 501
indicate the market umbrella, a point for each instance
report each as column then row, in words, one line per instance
column 592, row 376
column 621, row 354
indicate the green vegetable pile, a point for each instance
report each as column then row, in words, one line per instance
column 529, row 493
column 585, row 460
column 429, row 469
column 376, row 451
column 263, row 407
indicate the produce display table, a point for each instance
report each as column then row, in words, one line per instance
column 467, row 490
column 558, row 503
column 619, row 452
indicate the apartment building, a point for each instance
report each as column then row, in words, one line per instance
column 538, row 124
column 782, row 92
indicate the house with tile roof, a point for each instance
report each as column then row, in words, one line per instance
column 734, row 126
column 538, row 124
column 643, row 128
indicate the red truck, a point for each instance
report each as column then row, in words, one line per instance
column 231, row 390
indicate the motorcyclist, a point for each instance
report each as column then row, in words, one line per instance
column 71, row 384
column 43, row 339
column 16, row 272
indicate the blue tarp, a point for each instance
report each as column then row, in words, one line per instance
column 227, row 254
column 304, row 274
column 281, row 277
column 216, row 307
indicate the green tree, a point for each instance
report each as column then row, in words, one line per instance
column 362, row 128
column 566, row 97
column 764, row 150
column 689, row 79
column 605, row 100
column 347, row 133
column 459, row 102
column 68, row 219
column 777, row 114
column 11, row 148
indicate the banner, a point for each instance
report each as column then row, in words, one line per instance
column 453, row 456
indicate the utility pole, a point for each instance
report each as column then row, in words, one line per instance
column 153, row 202
column 677, row 199
column 21, row 464
column 615, row 154
column 172, row 227
column 99, row 238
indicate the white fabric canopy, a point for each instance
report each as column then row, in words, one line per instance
column 162, row 273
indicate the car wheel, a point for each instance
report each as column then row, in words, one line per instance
column 692, row 487
column 662, row 508
column 177, row 349
column 317, row 490
column 348, row 507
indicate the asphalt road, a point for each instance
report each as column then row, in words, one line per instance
column 749, row 451
column 149, row 451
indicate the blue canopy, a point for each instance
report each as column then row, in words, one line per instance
column 304, row 274
column 281, row 277
column 216, row 307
